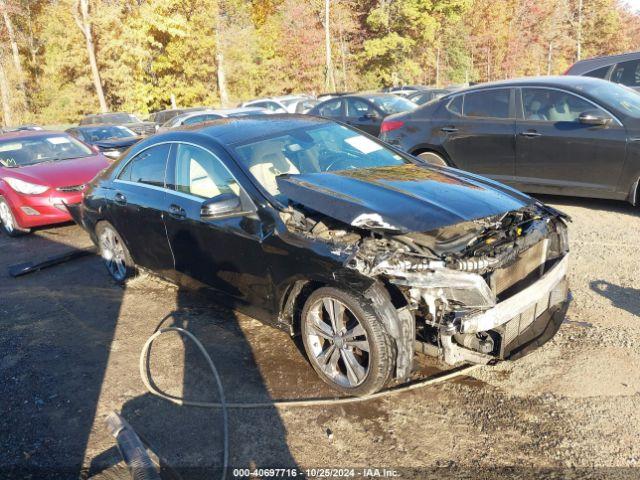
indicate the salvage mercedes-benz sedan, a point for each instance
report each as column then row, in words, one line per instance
column 326, row 232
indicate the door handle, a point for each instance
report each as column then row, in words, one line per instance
column 176, row 211
column 530, row 133
column 120, row 198
column 449, row 129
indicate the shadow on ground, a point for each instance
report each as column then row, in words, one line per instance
column 57, row 330
column 624, row 298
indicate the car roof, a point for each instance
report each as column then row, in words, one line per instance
column 603, row 61
column 569, row 82
column 234, row 130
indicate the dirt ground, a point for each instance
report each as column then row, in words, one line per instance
column 70, row 340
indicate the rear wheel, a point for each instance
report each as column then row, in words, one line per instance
column 432, row 158
column 8, row 221
column 114, row 252
column 346, row 343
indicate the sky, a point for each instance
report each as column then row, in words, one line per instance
column 634, row 4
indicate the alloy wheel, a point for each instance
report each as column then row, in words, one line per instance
column 338, row 342
column 6, row 217
column 113, row 254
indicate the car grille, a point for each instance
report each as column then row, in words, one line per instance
column 528, row 268
column 71, row 188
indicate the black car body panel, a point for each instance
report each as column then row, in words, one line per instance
column 537, row 155
column 409, row 198
column 267, row 256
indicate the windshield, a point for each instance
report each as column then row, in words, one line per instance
column 324, row 148
column 392, row 103
column 617, row 96
column 21, row 152
column 105, row 133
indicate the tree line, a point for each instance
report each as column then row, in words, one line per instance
column 60, row 59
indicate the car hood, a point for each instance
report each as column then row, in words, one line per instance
column 408, row 198
column 117, row 142
column 76, row 171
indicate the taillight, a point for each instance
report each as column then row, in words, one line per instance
column 391, row 125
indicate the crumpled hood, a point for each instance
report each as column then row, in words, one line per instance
column 77, row 171
column 407, row 198
column 117, row 142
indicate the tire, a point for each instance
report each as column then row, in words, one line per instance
column 114, row 253
column 8, row 221
column 332, row 354
column 432, row 158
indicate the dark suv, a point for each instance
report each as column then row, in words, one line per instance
column 624, row 69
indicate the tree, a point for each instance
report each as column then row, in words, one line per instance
column 83, row 20
column 14, row 44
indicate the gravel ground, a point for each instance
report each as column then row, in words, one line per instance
column 70, row 340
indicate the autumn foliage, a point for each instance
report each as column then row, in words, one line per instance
column 148, row 50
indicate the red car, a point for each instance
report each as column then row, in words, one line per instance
column 40, row 171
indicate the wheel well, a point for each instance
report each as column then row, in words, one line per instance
column 298, row 293
column 635, row 199
column 444, row 156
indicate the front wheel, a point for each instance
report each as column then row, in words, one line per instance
column 346, row 343
column 114, row 252
column 8, row 221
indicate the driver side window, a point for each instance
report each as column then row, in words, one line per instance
column 197, row 172
column 358, row 108
column 554, row 105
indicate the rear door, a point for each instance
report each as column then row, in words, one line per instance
column 478, row 133
column 136, row 208
column 557, row 153
column 363, row 115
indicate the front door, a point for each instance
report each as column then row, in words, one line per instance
column 478, row 132
column 136, row 209
column 557, row 153
column 223, row 253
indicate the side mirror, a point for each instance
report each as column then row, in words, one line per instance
column 593, row 117
column 94, row 149
column 224, row 205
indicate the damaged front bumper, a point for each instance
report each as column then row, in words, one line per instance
column 527, row 319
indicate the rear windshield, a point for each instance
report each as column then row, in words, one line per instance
column 32, row 150
column 392, row 103
column 117, row 118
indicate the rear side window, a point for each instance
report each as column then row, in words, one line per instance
column 487, row 104
column 455, row 105
column 147, row 167
column 627, row 73
column 598, row 72
column 331, row 109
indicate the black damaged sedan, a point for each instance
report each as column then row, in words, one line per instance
column 369, row 254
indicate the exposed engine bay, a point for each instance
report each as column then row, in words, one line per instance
column 473, row 288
